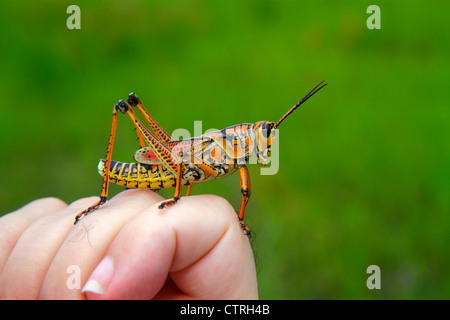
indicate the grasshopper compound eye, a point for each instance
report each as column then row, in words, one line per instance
column 265, row 129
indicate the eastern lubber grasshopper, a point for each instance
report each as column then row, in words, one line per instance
column 162, row 162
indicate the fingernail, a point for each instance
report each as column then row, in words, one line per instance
column 93, row 287
column 100, row 278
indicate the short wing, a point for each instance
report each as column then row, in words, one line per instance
column 191, row 149
column 147, row 156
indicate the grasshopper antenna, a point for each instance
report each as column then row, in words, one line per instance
column 306, row 97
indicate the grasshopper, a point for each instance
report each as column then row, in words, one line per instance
column 163, row 162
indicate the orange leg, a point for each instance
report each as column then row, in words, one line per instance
column 157, row 143
column 139, row 134
column 245, row 190
column 134, row 102
column 160, row 133
column 164, row 154
column 105, row 185
column 189, row 190
column 177, row 195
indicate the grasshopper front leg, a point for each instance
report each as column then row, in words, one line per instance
column 246, row 192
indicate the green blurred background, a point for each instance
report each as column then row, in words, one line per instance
column 364, row 172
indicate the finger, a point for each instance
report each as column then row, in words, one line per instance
column 225, row 271
column 13, row 224
column 184, row 240
column 28, row 261
column 88, row 240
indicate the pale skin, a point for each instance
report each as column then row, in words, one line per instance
column 127, row 249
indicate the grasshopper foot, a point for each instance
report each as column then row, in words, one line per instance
column 168, row 203
column 245, row 228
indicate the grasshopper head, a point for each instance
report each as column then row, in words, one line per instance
column 265, row 136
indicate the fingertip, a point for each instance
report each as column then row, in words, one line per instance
column 208, row 208
column 214, row 260
column 51, row 202
column 96, row 286
column 93, row 290
column 219, row 203
column 215, row 212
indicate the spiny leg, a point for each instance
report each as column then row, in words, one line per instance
column 105, row 185
column 160, row 133
column 161, row 150
column 139, row 134
column 245, row 190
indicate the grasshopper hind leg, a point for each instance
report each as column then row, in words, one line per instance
column 189, row 190
column 107, row 169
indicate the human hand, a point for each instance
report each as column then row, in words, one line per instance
column 127, row 249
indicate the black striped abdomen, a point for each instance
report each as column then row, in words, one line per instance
column 138, row 175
